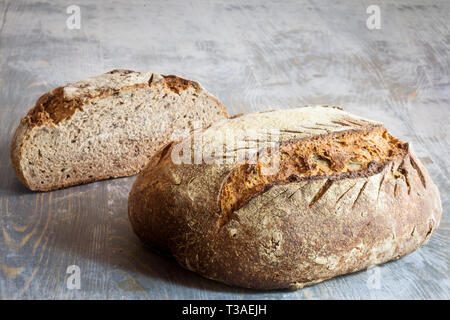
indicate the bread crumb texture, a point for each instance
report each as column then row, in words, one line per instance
column 106, row 126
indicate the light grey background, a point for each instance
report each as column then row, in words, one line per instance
column 253, row 56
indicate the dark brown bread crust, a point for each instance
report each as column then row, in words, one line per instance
column 177, row 84
column 290, row 235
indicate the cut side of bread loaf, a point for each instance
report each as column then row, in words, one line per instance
column 344, row 195
column 106, row 126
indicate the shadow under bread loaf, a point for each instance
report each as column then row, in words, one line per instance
column 345, row 196
column 106, row 126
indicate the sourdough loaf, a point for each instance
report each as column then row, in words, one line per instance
column 345, row 195
column 106, row 126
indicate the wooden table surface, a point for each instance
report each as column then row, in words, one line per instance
column 253, row 56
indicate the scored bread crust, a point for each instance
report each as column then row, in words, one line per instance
column 295, row 232
column 60, row 105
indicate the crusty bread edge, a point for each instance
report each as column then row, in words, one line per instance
column 19, row 139
column 25, row 129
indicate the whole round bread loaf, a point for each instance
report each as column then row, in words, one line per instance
column 327, row 194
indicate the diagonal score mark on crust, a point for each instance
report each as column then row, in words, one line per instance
column 405, row 174
column 321, row 192
column 342, row 195
column 419, row 172
column 328, row 125
column 297, row 190
column 226, row 217
column 302, row 131
column 341, row 123
column 353, row 122
column 359, row 194
column 381, row 184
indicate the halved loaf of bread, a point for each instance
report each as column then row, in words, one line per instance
column 320, row 193
column 106, row 126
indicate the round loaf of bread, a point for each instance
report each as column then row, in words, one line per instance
column 285, row 199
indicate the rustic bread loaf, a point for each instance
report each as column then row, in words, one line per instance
column 106, row 126
column 346, row 196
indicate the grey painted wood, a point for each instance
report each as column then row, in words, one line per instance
column 253, row 56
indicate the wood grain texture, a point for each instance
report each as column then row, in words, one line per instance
column 254, row 56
